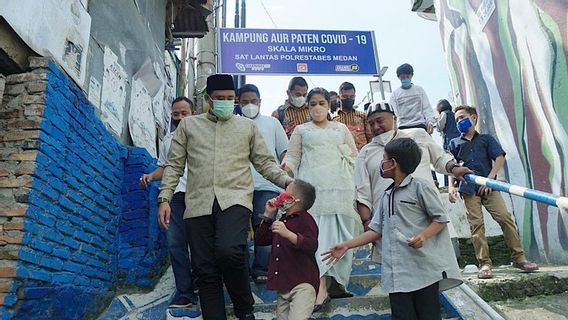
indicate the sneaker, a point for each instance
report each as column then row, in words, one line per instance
column 336, row 290
column 181, row 302
column 248, row 316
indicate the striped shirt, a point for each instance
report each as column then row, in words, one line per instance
column 293, row 117
column 356, row 122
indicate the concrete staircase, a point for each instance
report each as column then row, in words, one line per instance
column 368, row 302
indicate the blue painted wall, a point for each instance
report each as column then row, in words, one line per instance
column 88, row 227
column 142, row 242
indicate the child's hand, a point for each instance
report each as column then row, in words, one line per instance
column 452, row 194
column 279, row 228
column 335, row 253
column 145, row 180
column 430, row 128
column 270, row 208
column 417, row 241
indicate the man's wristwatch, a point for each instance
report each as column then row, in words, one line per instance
column 162, row 200
column 455, row 165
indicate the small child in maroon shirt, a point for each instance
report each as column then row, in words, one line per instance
column 293, row 271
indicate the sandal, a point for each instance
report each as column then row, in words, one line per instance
column 318, row 307
column 526, row 266
column 485, row 272
column 260, row 279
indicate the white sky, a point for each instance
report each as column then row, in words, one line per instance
column 400, row 34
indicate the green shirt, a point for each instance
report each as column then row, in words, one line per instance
column 218, row 155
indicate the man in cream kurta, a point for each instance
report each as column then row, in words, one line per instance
column 217, row 149
column 218, row 156
column 369, row 185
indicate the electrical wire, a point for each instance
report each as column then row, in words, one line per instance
column 276, row 27
column 268, row 14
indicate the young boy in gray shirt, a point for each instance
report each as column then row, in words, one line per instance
column 418, row 260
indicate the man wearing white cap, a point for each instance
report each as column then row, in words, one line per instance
column 369, row 185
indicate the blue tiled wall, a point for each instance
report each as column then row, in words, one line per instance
column 89, row 226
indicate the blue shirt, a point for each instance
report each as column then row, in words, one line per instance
column 450, row 129
column 477, row 154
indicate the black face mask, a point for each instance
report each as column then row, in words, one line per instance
column 347, row 103
column 174, row 124
column 334, row 106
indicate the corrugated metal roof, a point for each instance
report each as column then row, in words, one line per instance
column 190, row 20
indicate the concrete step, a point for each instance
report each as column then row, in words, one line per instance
column 364, row 307
column 553, row 307
column 360, row 285
column 369, row 302
column 511, row 283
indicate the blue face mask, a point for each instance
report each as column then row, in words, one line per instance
column 406, row 83
column 464, row 124
column 223, row 109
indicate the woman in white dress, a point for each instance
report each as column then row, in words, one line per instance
column 323, row 152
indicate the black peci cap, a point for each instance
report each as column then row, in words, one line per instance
column 220, row 82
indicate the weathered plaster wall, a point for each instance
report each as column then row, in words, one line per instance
column 134, row 31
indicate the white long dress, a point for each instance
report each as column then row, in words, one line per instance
column 325, row 157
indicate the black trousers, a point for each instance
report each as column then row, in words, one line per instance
column 423, row 304
column 218, row 254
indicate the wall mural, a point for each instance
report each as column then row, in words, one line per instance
column 508, row 58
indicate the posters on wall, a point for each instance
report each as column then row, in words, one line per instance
column 158, row 108
column 141, row 117
column 151, row 76
column 170, row 85
column 57, row 28
column 152, row 90
column 95, row 92
column 113, row 96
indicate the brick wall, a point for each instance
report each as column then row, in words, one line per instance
column 71, row 216
column 141, row 240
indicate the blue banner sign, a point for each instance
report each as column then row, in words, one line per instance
column 267, row 51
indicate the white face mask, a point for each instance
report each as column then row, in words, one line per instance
column 297, row 101
column 250, row 110
column 384, row 137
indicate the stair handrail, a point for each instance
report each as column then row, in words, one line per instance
column 531, row 194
